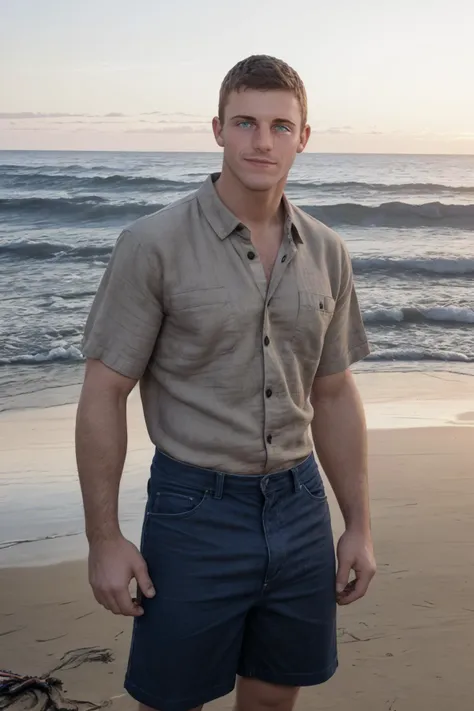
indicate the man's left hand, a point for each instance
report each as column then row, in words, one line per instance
column 354, row 552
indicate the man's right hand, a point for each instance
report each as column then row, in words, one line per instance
column 113, row 564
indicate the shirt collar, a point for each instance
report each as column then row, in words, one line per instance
column 224, row 222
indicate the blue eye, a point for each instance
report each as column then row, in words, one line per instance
column 281, row 127
column 244, row 124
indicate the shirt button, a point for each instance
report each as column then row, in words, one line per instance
column 251, row 255
column 266, row 341
column 268, row 392
column 283, row 259
column 269, row 439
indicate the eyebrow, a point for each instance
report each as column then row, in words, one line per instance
column 252, row 118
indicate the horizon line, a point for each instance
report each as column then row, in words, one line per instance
column 112, row 150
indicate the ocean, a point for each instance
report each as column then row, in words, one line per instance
column 408, row 222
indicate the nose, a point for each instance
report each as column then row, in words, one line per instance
column 263, row 140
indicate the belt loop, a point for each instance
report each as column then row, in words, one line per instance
column 219, row 488
column 296, row 480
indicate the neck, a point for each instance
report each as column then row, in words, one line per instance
column 252, row 207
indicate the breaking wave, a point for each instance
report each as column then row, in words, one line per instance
column 407, row 354
column 440, row 266
column 413, row 314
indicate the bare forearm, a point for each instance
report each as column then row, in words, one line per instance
column 101, row 446
column 340, row 439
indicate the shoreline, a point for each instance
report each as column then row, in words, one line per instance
column 441, row 444
column 48, row 395
column 41, row 517
column 54, row 385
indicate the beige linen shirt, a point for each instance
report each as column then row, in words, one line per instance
column 226, row 361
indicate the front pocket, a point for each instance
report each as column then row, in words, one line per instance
column 314, row 487
column 316, row 302
column 176, row 505
column 320, row 496
column 315, row 312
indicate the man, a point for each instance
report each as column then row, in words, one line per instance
column 236, row 312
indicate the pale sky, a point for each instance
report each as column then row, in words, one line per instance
column 381, row 75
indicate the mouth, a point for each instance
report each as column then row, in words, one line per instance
column 260, row 162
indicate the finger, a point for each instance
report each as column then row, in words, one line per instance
column 357, row 590
column 106, row 599
column 126, row 606
column 112, row 605
column 342, row 578
column 143, row 579
column 101, row 598
column 342, row 596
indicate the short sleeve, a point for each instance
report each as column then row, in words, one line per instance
column 345, row 340
column 126, row 314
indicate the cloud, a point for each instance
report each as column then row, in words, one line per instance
column 166, row 123
column 334, row 130
column 27, row 128
column 466, row 135
column 170, row 122
column 35, row 115
column 65, row 119
column 349, row 131
column 170, row 129
column 85, row 123
column 88, row 129
column 178, row 113
column 39, row 115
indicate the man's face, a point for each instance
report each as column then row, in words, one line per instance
column 261, row 134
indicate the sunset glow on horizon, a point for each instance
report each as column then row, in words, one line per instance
column 107, row 75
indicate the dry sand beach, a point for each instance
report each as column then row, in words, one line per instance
column 407, row 646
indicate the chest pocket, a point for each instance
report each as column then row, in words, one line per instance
column 315, row 311
column 199, row 331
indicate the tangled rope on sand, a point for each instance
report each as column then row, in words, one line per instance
column 31, row 693
column 84, row 655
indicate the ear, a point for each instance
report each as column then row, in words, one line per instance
column 304, row 138
column 217, row 130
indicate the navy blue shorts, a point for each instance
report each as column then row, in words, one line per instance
column 244, row 569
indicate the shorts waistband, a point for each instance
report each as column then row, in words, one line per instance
column 215, row 481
